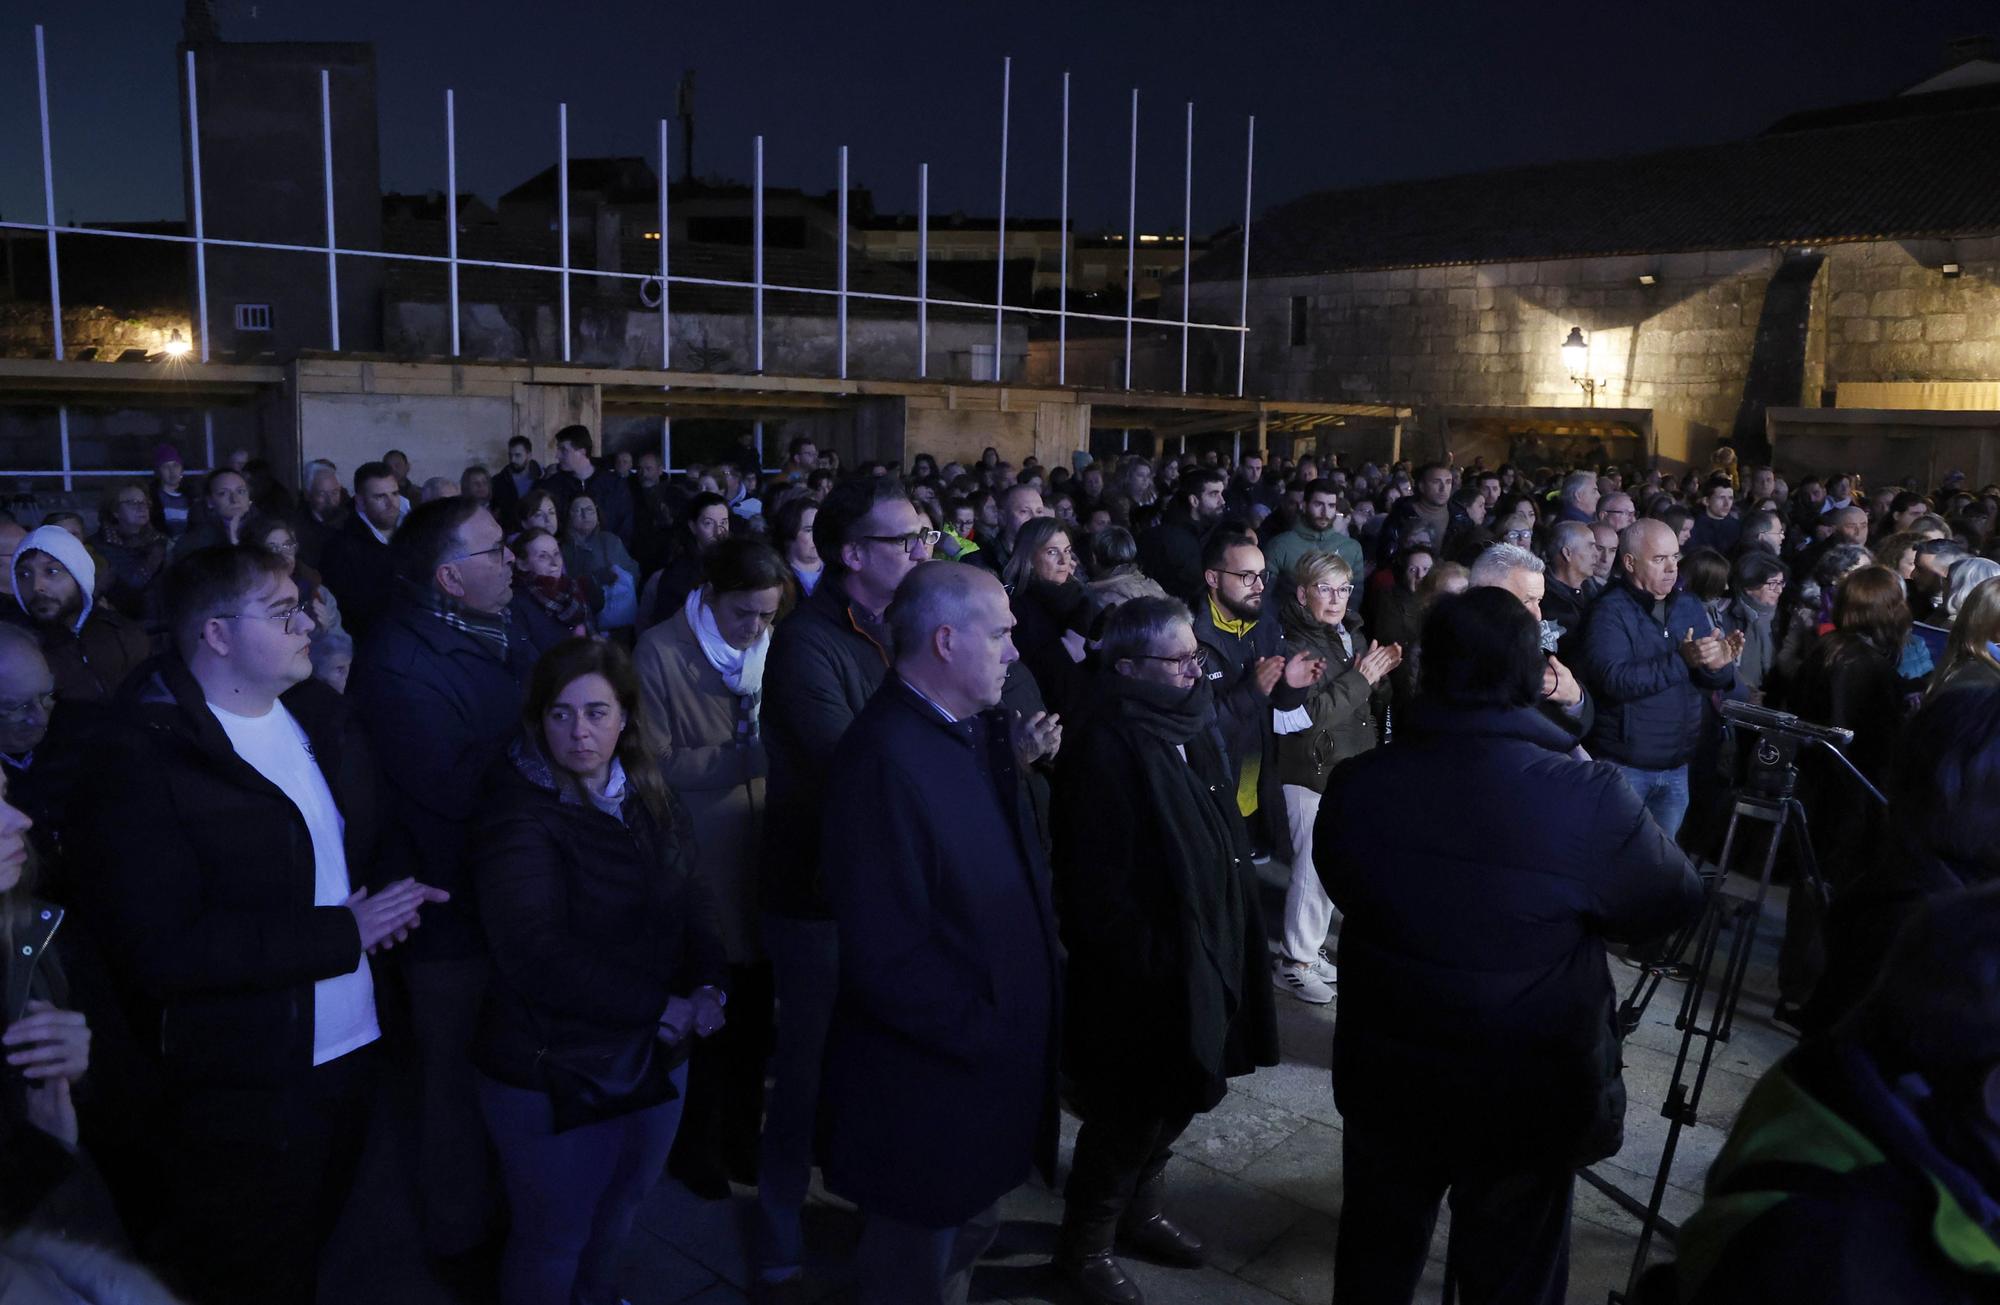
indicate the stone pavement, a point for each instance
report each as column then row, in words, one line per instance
column 1258, row 1177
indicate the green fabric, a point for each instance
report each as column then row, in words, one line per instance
column 1962, row 1240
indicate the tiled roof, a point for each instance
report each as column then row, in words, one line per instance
column 1907, row 174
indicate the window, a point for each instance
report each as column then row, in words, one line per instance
column 253, row 317
column 1301, row 324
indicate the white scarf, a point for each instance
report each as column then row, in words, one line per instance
column 742, row 668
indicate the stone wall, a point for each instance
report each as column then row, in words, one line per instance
column 1490, row 335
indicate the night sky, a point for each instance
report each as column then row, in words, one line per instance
column 1344, row 94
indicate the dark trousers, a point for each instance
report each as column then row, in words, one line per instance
column 723, row 1112
column 897, row 1263
column 1509, row 1230
column 455, row 1184
column 259, row 1179
column 805, row 962
column 1117, row 1168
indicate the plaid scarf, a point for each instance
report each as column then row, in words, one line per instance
column 493, row 628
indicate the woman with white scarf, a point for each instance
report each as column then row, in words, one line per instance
column 701, row 675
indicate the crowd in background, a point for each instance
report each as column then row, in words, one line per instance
column 733, row 822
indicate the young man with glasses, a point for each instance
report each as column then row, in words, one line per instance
column 90, row 647
column 439, row 683
column 827, row 659
column 219, row 849
column 1251, row 672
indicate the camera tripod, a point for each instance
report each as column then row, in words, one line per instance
column 1766, row 797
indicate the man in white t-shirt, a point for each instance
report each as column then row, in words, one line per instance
column 223, row 849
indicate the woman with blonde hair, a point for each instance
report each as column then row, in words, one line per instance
column 1970, row 652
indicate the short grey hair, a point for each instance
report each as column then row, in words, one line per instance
column 934, row 594
column 1576, row 482
column 1492, row 567
column 1137, row 626
column 19, row 641
column 1570, row 536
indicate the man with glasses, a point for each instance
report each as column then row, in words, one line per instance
column 41, row 774
column 439, row 683
column 1617, row 511
column 135, row 552
column 227, row 826
column 1651, row 655
column 356, row 561
column 1251, row 673
column 90, row 647
column 827, row 659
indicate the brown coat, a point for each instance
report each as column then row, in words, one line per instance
column 714, row 765
column 90, row 665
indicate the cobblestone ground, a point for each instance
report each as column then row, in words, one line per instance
column 1258, row 1177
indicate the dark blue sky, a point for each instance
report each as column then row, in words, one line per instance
column 1344, row 94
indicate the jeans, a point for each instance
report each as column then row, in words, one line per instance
column 898, row 1263
column 573, row 1195
column 1664, row 794
column 1309, row 911
column 1509, row 1231
column 805, row 967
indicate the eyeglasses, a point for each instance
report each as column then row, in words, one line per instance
column 1333, row 591
column 494, row 551
column 20, row 709
column 1519, row 536
column 912, row 543
column 290, row 616
column 1186, row 663
column 1250, row 579
column 288, row 548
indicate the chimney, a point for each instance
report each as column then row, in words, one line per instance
column 198, row 23
column 1969, row 49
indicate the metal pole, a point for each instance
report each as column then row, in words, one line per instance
column 326, row 163
column 667, row 442
column 1062, row 291
column 451, row 208
column 1187, row 242
column 667, row 317
column 49, row 201
column 200, row 236
column 208, row 437
column 757, row 272
column 62, row 428
column 1243, row 300
column 1000, row 276
column 1131, row 236
column 923, row 269
column 562, row 202
column 843, row 262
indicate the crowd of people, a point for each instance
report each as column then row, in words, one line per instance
column 736, row 822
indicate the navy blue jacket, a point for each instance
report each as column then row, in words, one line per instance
column 1475, row 1006
column 938, row 1092
column 1649, row 701
column 440, row 705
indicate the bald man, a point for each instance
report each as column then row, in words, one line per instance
column 1650, row 656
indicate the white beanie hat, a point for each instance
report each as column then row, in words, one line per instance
column 67, row 549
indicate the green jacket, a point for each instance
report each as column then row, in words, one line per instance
column 1284, row 552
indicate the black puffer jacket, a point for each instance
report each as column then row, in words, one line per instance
column 592, row 921
column 1473, row 984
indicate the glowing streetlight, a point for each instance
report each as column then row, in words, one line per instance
column 176, row 346
column 1576, row 357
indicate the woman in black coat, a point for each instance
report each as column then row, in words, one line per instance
column 1052, row 611
column 1156, row 898
column 606, row 966
column 1480, row 869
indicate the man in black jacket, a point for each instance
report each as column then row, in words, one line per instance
column 440, row 685
column 220, row 846
column 826, row 661
column 577, row 476
column 355, row 563
column 1473, row 980
column 1166, row 996
column 520, row 475
column 1171, row 552
column 941, row 1061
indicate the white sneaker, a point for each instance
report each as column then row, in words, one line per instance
column 1301, row 982
column 1324, row 969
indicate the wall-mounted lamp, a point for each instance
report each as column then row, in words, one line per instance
column 1576, row 357
column 176, row 346
column 1647, row 278
column 1950, row 269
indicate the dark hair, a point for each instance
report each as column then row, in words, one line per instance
column 368, row 471
column 208, row 481
column 577, row 437
column 563, row 665
column 1216, row 550
column 697, row 505
column 520, row 542
column 1716, row 482
column 1905, row 500
column 210, row 581
column 1481, row 650
column 531, row 503
column 791, row 513
column 1030, row 540
column 1870, row 603
column 1133, row 626
column 430, row 535
column 800, row 441
column 745, row 565
column 1675, row 517
column 1707, row 574
column 107, row 502
column 522, row 440
column 1192, row 483
column 845, row 508
column 1754, row 569
column 1110, row 548
column 1944, row 794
